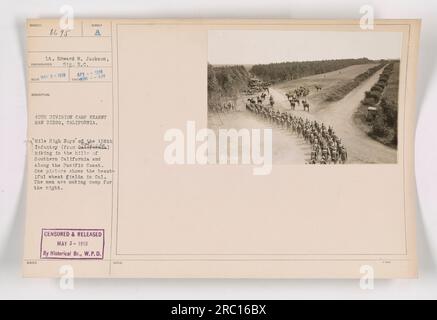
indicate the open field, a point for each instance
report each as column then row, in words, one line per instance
column 383, row 127
column 288, row 148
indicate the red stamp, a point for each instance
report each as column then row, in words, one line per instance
column 73, row 244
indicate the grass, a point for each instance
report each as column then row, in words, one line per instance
column 391, row 92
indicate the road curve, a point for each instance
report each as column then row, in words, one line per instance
column 361, row 148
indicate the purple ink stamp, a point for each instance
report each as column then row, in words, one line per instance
column 72, row 244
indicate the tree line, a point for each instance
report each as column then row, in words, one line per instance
column 384, row 97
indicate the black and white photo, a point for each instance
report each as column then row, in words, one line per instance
column 328, row 97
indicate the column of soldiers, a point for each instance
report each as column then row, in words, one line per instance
column 326, row 146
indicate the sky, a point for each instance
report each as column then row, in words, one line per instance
column 267, row 46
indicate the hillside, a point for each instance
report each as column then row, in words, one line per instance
column 226, row 83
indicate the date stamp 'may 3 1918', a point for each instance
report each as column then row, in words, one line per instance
column 73, row 244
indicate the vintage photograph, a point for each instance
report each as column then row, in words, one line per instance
column 328, row 97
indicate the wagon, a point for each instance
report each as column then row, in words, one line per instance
column 371, row 113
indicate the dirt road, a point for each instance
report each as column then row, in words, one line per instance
column 361, row 148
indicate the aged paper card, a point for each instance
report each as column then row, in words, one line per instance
column 221, row 148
